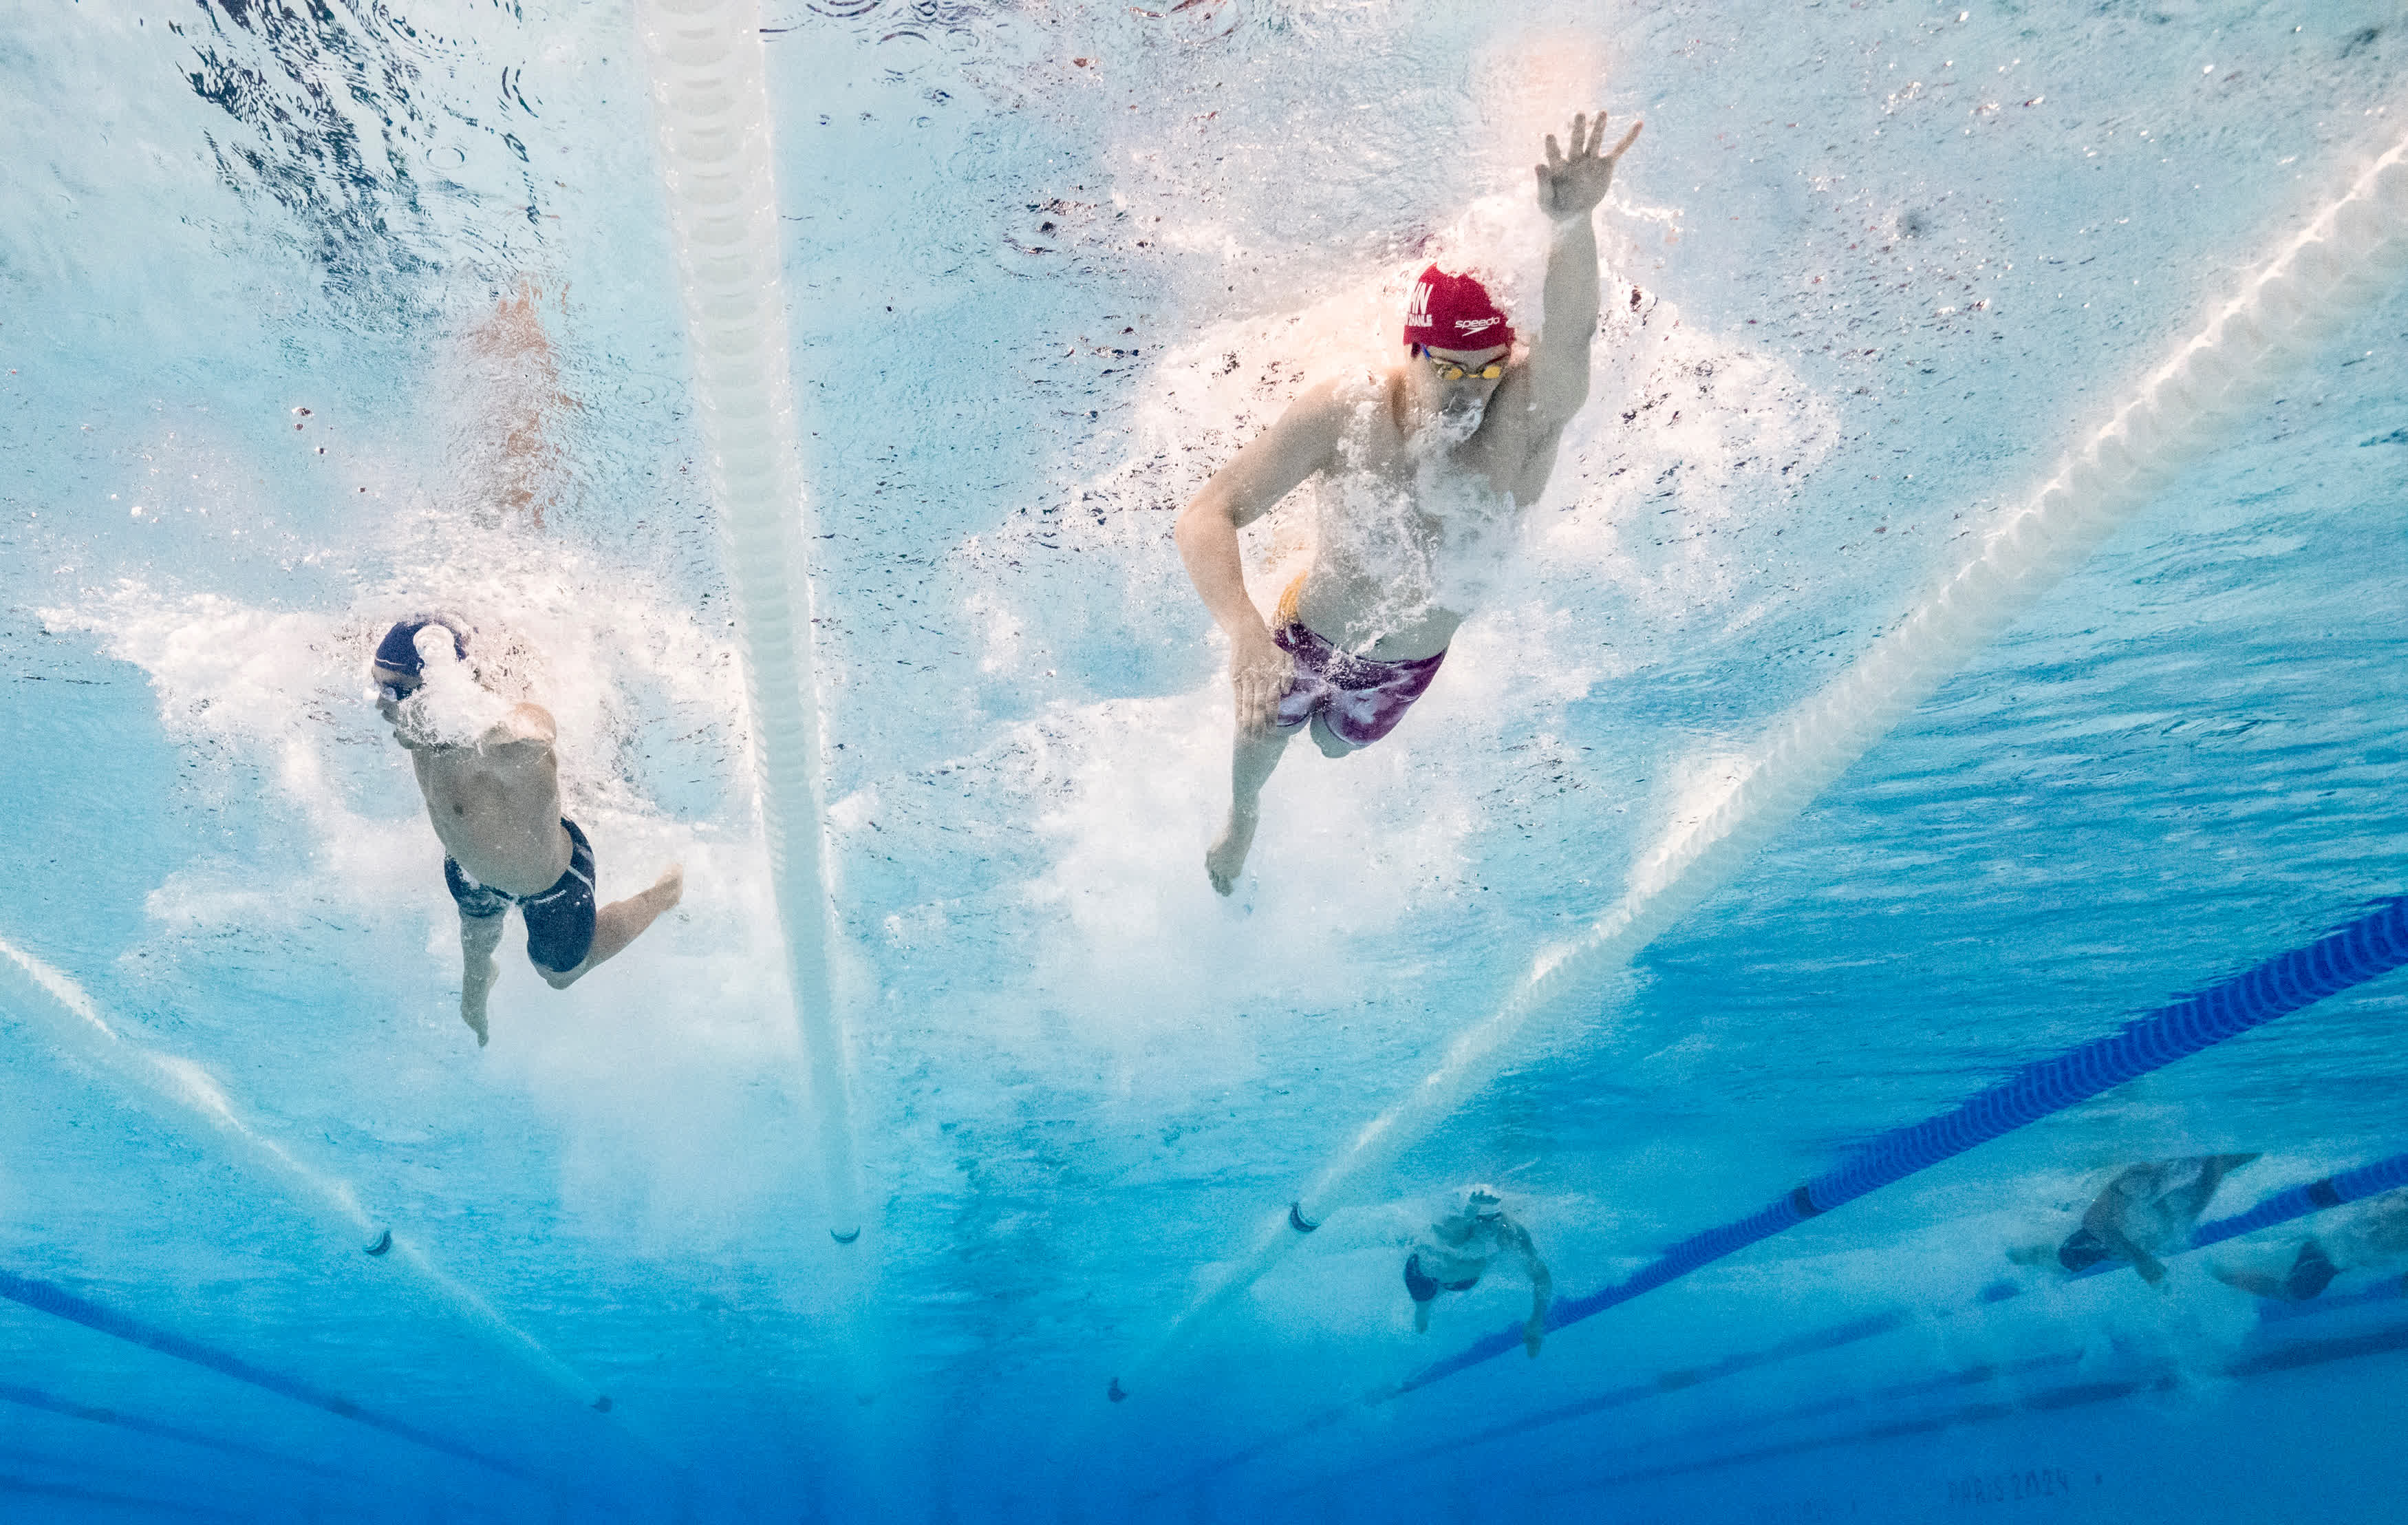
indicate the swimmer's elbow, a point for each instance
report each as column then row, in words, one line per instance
column 1210, row 515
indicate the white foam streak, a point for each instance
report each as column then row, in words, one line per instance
column 46, row 995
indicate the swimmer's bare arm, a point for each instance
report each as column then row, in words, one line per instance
column 1304, row 440
column 1570, row 187
column 1542, row 1289
column 2114, row 1237
column 2105, row 1221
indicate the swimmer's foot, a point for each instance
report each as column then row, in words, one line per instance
column 477, row 982
column 621, row 922
column 1227, row 857
column 2311, row 1273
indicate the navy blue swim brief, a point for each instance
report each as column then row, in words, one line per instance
column 559, row 921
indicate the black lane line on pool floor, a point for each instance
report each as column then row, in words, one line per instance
column 59, row 1302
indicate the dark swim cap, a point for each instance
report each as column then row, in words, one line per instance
column 2082, row 1250
column 398, row 651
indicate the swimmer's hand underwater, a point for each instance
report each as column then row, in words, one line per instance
column 1572, row 187
column 1259, row 676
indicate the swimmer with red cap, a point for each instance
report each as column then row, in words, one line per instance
column 1467, row 428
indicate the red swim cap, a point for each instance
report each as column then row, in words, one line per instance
column 1454, row 312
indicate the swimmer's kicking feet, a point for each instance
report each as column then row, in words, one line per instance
column 1469, row 415
column 513, row 378
column 494, row 802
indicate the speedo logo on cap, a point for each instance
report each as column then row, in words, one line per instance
column 1452, row 310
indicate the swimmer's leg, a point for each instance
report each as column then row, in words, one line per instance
column 621, row 922
column 2254, row 1283
column 1251, row 761
column 1329, row 742
column 2185, row 1203
column 478, row 937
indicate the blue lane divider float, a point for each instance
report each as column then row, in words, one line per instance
column 2375, row 943
column 2314, row 1197
column 59, row 1302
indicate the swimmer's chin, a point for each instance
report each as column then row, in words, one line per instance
column 1449, row 429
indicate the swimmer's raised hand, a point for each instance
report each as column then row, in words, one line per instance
column 1260, row 671
column 1571, row 186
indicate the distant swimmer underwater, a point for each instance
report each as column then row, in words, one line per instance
column 492, row 784
column 2147, row 1212
column 1455, row 1253
column 2371, row 1236
column 1423, row 462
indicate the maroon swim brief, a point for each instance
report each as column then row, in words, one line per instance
column 1361, row 699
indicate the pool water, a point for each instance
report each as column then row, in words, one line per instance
column 314, row 314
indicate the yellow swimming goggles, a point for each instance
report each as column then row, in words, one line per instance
column 1449, row 371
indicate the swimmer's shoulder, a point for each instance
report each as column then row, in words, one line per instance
column 1309, row 430
column 531, row 721
column 1345, row 404
column 527, row 724
column 1358, row 384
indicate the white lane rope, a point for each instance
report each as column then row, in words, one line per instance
column 44, row 996
column 2349, row 256
column 710, row 108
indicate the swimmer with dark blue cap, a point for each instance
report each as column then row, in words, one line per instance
column 2145, row 1213
column 1455, row 1252
column 494, row 804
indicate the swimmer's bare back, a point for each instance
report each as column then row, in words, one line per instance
column 495, row 804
